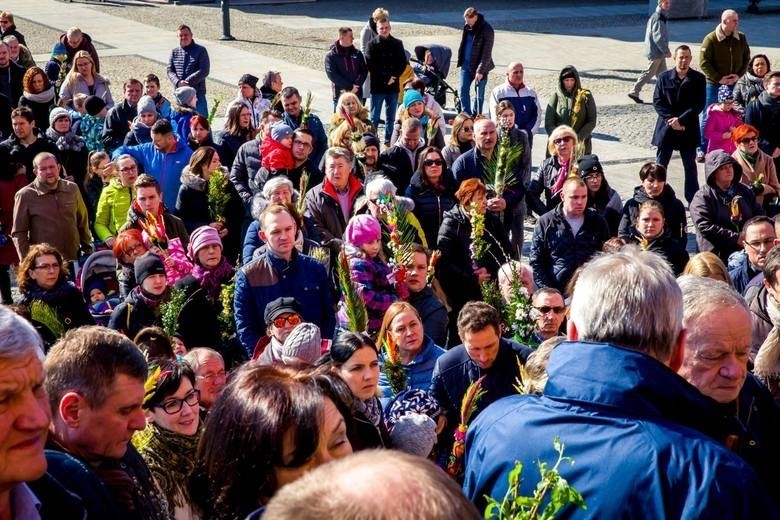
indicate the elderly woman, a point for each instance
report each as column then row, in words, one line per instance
column 461, row 271
column 210, row 375
column 553, row 171
column 758, row 168
column 56, row 305
column 461, row 139
column 432, row 189
column 38, row 95
column 654, row 187
column 170, row 439
column 418, row 353
column 379, row 201
column 282, row 425
column 83, row 79
column 350, row 103
column 74, row 156
column 651, row 235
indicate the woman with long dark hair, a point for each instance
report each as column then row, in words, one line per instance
column 432, row 189
column 238, row 130
column 601, row 197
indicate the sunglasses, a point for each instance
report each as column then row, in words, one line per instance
column 433, row 162
column 292, row 319
column 468, row 128
column 747, row 140
column 562, row 140
column 546, row 309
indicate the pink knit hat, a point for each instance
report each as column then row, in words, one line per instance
column 202, row 237
column 362, row 229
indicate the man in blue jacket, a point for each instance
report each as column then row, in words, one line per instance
column 164, row 159
column 189, row 66
column 645, row 443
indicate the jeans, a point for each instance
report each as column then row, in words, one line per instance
column 688, row 157
column 203, row 105
column 711, row 94
column 391, row 103
column 466, row 80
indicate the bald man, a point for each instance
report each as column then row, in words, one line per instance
column 528, row 111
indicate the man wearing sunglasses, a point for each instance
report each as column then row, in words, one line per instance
column 550, row 313
column 281, row 317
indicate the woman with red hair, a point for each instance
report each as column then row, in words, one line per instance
column 128, row 246
column 758, row 169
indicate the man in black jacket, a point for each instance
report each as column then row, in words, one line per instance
column 386, row 61
column 345, row 66
column 24, row 144
column 120, row 117
column 11, row 76
column 400, row 160
column 475, row 59
column 431, row 310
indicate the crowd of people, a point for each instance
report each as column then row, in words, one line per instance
column 207, row 319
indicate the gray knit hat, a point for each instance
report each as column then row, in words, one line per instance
column 414, row 433
column 57, row 113
column 184, row 95
column 303, row 345
column 279, row 131
column 146, row 104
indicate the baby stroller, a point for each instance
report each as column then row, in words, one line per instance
column 434, row 74
column 99, row 271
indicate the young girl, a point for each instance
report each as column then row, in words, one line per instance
column 276, row 148
column 651, row 235
column 722, row 118
column 375, row 280
column 100, row 170
column 177, row 265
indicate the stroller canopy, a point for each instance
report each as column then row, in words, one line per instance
column 441, row 56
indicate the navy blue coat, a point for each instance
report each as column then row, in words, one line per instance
column 644, row 441
column 682, row 99
column 430, row 204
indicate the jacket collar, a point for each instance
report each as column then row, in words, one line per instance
column 42, row 189
column 720, row 35
column 353, row 188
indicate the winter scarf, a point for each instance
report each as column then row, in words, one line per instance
column 53, row 296
column 371, row 409
column 767, row 364
column 170, row 457
column 211, row 280
column 149, row 300
column 66, row 142
column 563, row 174
column 750, row 159
column 42, row 97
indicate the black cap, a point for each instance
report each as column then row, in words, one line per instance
column 249, row 80
column 146, row 265
column 279, row 306
column 370, row 139
column 589, row 164
column 93, row 105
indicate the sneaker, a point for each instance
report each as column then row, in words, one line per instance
column 699, row 156
column 636, row 98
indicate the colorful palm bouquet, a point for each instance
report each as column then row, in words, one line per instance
column 478, row 246
column 736, row 214
column 303, row 185
column 155, row 230
column 392, row 366
column 355, row 307
column 467, row 408
column 499, row 170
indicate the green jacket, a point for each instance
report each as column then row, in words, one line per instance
column 112, row 209
column 722, row 55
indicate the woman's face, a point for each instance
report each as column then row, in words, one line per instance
column 45, row 270
column 650, row 223
column 62, row 125
column 186, row 420
column 760, row 67
column 564, row 145
column 351, row 105
column 479, row 200
column 593, row 181
column 154, row 284
column 244, row 118
column 568, row 84
column 333, row 445
column 407, row 331
column 281, row 195
column 506, row 119
column 214, row 165
column 84, row 66
column 198, row 133
column 209, row 256
column 416, row 109
column 361, row 373
column 749, row 143
column 37, row 84
column 433, row 164
column 147, row 118
column 466, row 132
column 653, row 187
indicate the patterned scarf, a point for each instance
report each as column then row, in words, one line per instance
column 563, row 174
column 371, row 409
column 67, row 141
column 211, row 280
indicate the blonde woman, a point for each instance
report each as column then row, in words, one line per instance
column 461, row 139
column 553, row 171
column 350, row 103
column 83, row 79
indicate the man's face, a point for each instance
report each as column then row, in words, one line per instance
column 47, row 171
column 371, row 154
column 151, row 89
column 383, row 29
column 515, row 75
column 345, row 39
column 774, row 87
column 716, row 353
column 210, row 379
column 417, row 272
column 410, row 139
column 729, row 23
column 24, row 419
column 485, row 134
column 482, row 346
column 148, row 199
column 133, row 93
column 128, row 172
column 13, row 49
column 279, row 233
column 302, row 147
column 105, row 430
column 185, row 37
column 292, row 105
column 575, row 198
column 337, row 171
column 759, row 241
column 551, row 310
column 162, row 142
column 682, row 60
column 470, row 20
column 22, row 127
column 74, row 40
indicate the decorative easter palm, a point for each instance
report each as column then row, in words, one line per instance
column 467, row 408
column 155, row 230
column 218, row 195
column 302, row 187
column 227, row 322
column 357, row 316
column 402, row 233
column 499, row 169
column 171, row 310
column 44, row 314
column 213, row 111
column 306, row 111
column 392, row 366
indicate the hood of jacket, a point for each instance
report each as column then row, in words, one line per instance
column 192, row 181
column 85, row 39
column 567, row 71
column 667, row 195
column 767, row 100
column 715, row 160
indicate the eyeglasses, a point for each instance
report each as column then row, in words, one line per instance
column 433, row 162
column 756, row 244
column 47, row 267
column 546, row 309
column 746, row 140
column 211, row 376
column 129, row 169
column 562, row 140
column 134, row 249
column 174, row 406
column 292, row 319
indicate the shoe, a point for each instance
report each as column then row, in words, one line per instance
column 699, row 156
column 636, row 98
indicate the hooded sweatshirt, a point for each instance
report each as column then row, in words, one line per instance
column 562, row 108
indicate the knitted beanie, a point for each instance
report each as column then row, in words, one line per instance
column 248, row 79
column 414, row 433
column 94, row 105
column 371, row 140
column 146, row 265
column 725, row 93
column 303, row 345
column 146, row 104
column 185, row 95
column 411, row 401
column 200, row 238
column 57, row 113
column 362, row 229
column 279, row 131
column 412, row 96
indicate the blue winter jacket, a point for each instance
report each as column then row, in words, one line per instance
column 268, row 278
column 165, row 167
column 418, row 372
column 644, row 442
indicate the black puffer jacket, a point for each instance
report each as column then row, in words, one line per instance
column 671, row 250
column 118, row 125
column 245, row 167
column 542, row 181
column 345, row 67
column 556, row 253
column 133, row 314
column 674, row 214
column 430, row 203
column 482, row 49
